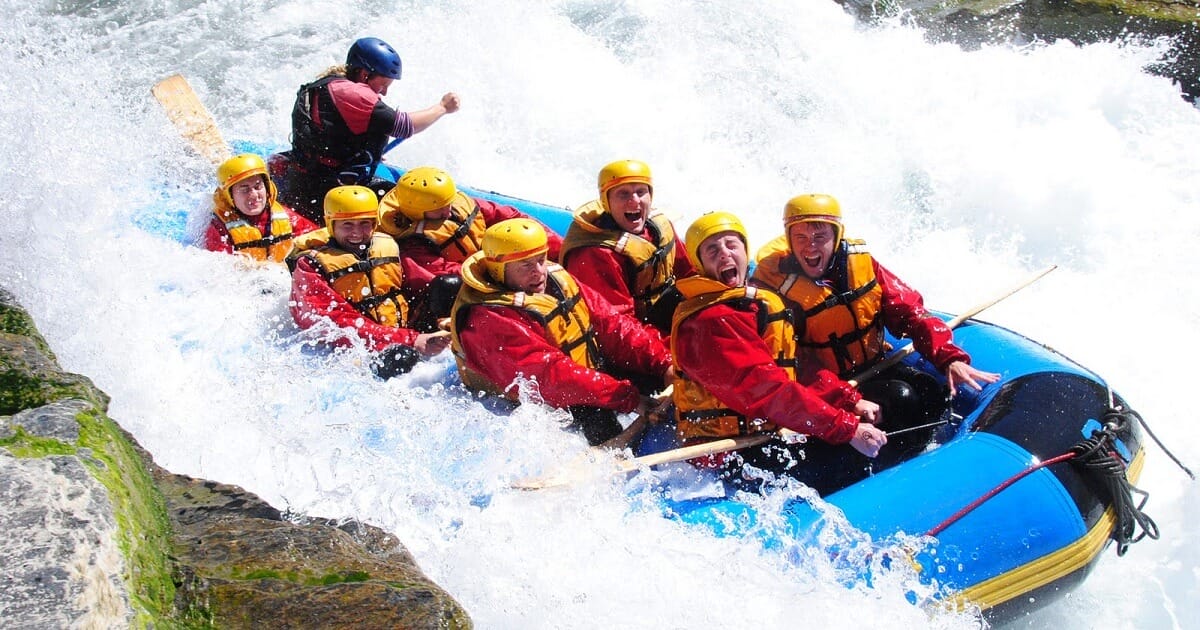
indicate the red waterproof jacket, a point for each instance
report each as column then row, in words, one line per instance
column 606, row 271
column 904, row 314
column 501, row 343
column 314, row 301
column 427, row 261
column 720, row 348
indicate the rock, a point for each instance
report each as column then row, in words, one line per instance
column 97, row 535
column 253, row 568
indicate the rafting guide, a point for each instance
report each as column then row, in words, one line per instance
column 341, row 125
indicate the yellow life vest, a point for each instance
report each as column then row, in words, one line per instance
column 561, row 310
column 308, row 241
column 247, row 239
column 701, row 415
column 457, row 237
column 843, row 330
column 371, row 285
column 653, row 261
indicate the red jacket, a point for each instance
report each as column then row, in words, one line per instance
column 501, row 343
column 428, row 262
column 720, row 348
column 216, row 237
column 314, row 301
column 904, row 314
column 364, row 111
column 607, row 272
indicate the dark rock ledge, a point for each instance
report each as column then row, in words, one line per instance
column 97, row 535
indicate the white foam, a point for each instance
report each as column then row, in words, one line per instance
column 965, row 170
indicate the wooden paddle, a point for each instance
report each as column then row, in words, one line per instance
column 190, row 117
column 579, row 469
column 953, row 323
column 569, row 475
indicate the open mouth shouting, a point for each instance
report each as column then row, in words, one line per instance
column 813, row 265
column 730, row 275
column 723, row 257
column 635, row 221
column 629, row 205
column 812, row 244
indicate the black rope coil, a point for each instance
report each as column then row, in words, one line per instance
column 1096, row 455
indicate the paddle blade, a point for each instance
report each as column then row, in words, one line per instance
column 190, row 117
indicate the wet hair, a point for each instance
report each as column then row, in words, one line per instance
column 341, row 71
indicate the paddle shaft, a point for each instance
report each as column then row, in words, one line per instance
column 953, row 323
column 697, row 450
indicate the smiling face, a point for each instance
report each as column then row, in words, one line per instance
column 528, row 275
column 812, row 245
column 250, row 195
column 354, row 234
column 723, row 257
column 629, row 205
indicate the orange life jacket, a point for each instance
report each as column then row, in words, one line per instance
column 457, row 237
column 371, row 285
column 561, row 311
column 653, row 261
column 843, row 330
column 701, row 415
column 306, row 242
column 249, row 240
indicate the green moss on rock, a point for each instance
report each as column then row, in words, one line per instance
column 1174, row 10
column 200, row 554
column 22, row 444
column 143, row 526
column 342, row 578
column 15, row 321
column 29, row 378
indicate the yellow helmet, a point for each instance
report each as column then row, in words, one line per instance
column 509, row 241
column 708, row 224
column 422, row 190
column 622, row 172
column 350, row 202
column 239, row 168
column 808, row 208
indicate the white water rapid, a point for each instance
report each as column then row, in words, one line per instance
column 966, row 171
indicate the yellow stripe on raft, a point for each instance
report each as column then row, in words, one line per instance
column 1050, row 567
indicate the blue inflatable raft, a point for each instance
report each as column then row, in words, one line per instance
column 1016, row 501
column 1006, row 510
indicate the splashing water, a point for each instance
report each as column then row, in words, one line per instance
column 964, row 170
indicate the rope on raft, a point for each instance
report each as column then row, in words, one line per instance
column 1095, row 456
column 1146, row 428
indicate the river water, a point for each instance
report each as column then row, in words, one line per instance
column 965, row 170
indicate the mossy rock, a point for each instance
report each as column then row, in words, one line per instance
column 199, row 554
column 29, row 373
column 1174, row 10
column 251, row 566
column 79, row 430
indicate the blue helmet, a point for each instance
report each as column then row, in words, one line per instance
column 375, row 55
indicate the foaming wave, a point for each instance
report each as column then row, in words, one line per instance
column 965, row 170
